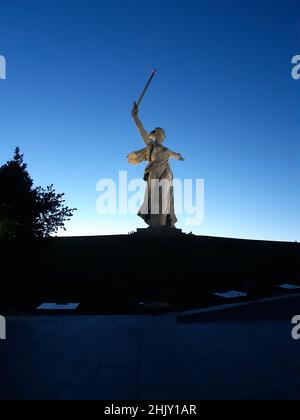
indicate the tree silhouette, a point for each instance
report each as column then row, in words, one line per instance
column 26, row 211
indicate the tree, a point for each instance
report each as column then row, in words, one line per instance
column 26, row 211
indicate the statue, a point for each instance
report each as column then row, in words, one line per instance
column 158, row 207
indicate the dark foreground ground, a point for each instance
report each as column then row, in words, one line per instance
column 242, row 353
column 112, row 347
column 112, row 274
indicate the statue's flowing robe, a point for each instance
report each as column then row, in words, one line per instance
column 158, row 207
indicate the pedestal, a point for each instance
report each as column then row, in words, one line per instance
column 172, row 231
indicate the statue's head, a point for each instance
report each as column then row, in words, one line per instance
column 158, row 134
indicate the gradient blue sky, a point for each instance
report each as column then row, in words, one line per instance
column 223, row 92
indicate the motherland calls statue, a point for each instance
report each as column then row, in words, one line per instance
column 158, row 207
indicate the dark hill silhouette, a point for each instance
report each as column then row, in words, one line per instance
column 112, row 271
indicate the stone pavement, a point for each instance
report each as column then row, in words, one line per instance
column 247, row 353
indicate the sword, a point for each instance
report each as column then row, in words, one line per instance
column 146, row 88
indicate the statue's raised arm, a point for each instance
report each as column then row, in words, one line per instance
column 145, row 135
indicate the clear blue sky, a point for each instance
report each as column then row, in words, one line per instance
column 223, row 92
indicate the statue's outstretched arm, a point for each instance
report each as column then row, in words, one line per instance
column 175, row 155
column 143, row 132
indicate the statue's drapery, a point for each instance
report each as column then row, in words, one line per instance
column 158, row 207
